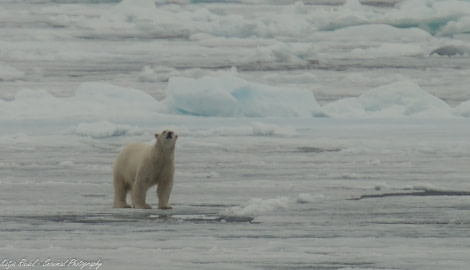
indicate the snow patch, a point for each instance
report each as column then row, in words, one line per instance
column 224, row 131
column 105, row 129
column 409, row 187
column 262, row 129
column 389, row 50
column 350, row 176
column 256, row 207
column 309, row 198
column 66, row 164
column 376, row 33
column 9, row 165
column 420, row 186
column 158, row 74
column 8, row 73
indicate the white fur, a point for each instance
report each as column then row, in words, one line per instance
column 140, row 166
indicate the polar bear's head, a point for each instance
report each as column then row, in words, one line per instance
column 166, row 140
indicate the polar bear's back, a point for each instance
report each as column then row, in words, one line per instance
column 128, row 161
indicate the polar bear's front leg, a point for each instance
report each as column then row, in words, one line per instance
column 163, row 194
column 139, row 192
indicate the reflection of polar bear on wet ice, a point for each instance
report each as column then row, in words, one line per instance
column 140, row 166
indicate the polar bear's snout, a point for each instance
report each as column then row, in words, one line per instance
column 169, row 135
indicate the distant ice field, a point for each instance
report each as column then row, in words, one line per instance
column 334, row 51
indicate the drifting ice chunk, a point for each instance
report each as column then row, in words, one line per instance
column 461, row 25
column 105, row 98
column 380, row 33
column 463, row 109
column 204, row 97
column 435, row 16
column 229, row 96
column 403, row 98
column 33, row 104
column 92, row 101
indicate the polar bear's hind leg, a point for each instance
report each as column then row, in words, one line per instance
column 139, row 193
column 120, row 193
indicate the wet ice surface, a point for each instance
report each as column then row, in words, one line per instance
column 250, row 201
column 371, row 172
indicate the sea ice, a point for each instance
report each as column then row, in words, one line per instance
column 220, row 95
column 462, row 25
column 8, row 73
column 451, row 50
column 104, row 129
column 285, row 175
column 431, row 16
column 463, row 109
column 375, row 33
column 257, row 206
column 403, row 98
column 309, row 198
column 228, row 95
column 108, row 99
column 263, row 129
column 92, row 101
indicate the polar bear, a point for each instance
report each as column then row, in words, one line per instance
column 140, row 166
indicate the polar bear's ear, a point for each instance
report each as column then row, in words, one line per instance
column 156, row 136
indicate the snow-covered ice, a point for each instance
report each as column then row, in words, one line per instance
column 232, row 96
column 248, row 202
column 224, row 96
column 401, row 98
column 312, row 134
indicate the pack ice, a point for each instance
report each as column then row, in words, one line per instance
column 224, row 96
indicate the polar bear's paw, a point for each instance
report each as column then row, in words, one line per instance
column 165, row 207
column 145, row 206
column 121, row 205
